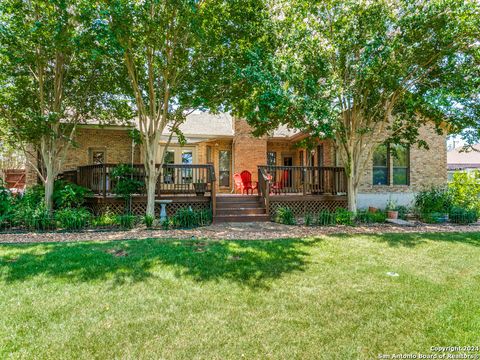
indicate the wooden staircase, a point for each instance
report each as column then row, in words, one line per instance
column 240, row 208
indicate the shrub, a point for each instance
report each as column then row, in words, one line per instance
column 7, row 221
column 284, row 215
column 32, row 197
column 6, row 200
column 73, row 219
column 148, row 220
column 106, row 219
column 326, row 218
column 465, row 190
column 434, row 217
column 308, row 220
column 433, row 200
column 368, row 217
column 460, row 215
column 38, row 218
column 126, row 221
column 344, row 217
column 189, row 218
column 125, row 183
column 68, row 195
column 402, row 212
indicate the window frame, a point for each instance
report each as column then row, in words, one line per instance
column 274, row 156
column 229, row 171
column 391, row 167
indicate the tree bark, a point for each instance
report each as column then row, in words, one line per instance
column 351, row 193
column 49, row 184
column 151, row 173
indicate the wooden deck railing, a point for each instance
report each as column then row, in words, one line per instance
column 302, row 180
column 175, row 179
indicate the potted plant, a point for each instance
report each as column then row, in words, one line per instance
column 200, row 187
column 391, row 208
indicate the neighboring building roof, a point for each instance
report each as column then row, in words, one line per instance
column 459, row 158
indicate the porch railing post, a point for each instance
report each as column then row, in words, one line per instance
column 104, row 181
column 304, row 170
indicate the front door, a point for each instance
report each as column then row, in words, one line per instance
column 288, row 161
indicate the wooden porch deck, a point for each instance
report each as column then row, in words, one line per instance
column 302, row 188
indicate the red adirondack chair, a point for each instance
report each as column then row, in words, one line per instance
column 248, row 184
column 237, row 179
column 277, row 186
column 243, row 182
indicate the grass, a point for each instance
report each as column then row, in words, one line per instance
column 328, row 297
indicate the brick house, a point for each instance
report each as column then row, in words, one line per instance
column 313, row 177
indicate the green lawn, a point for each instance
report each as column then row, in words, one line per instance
column 328, row 297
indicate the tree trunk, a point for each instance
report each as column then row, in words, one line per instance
column 351, row 193
column 151, row 187
column 49, row 183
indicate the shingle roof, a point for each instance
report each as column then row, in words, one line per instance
column 206, row 124
column 470, row 158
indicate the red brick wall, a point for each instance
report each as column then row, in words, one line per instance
column 248, row 151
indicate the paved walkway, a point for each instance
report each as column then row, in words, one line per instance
column 228, row 231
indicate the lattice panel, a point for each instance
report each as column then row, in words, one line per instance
column 117, row 207
column 302, row 207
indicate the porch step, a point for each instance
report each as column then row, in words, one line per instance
column 241, row 218
column 238, row 198
column 238, row 205
column 238, row 208
column 240, row 211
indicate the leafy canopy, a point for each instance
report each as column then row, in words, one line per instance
column 341, row 69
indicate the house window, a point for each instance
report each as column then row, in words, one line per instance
column 380, row 165
column 391, row 165
column 168, row 177
column 187, row 159
column 224, row 164
column 302, row 159
column 271, row 158
column 209, row 155
column 400, row 160
column 97, row 156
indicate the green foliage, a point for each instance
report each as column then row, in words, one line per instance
column 460, row 215
column 344, row 217
column 107, row 219
column 402, row 211
column 32, row 197
column 6, row 200
column 347, row 69
column 68, row 195
column 125, row 183
column 148, row 220
column 284, row 215
column 126, row 221
column 188, row 218
column 309, row 219
column 38, row 218
column 433, row 200
column 368, row 217
column 326, row 218
column 434, row 217
column 465, row 190
column 53, row 73
column 73, row 218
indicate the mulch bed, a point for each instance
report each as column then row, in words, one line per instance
column 232, row 231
